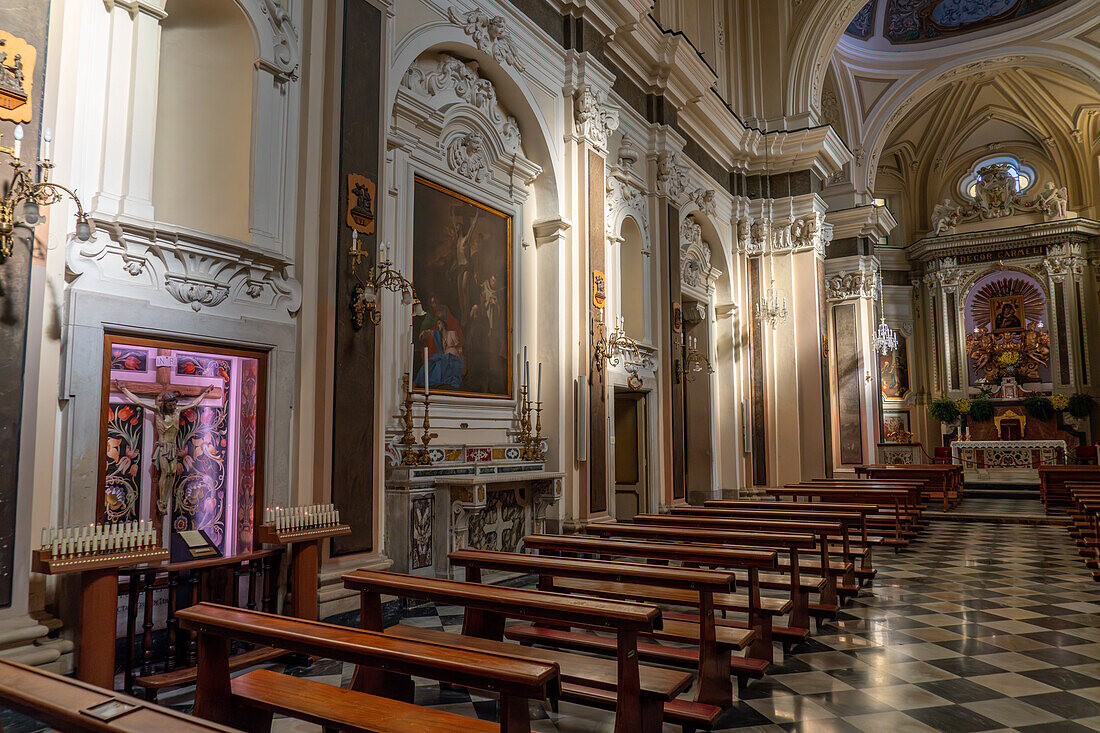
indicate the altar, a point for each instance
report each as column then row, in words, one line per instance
column 487, row 497
column 1006, row 461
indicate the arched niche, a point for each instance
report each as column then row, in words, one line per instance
column 451, row 125
column 634, row 290
column 202, row 158
column 989, row 291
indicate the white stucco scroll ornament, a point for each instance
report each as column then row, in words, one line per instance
column 595, row 119
column 489, row 34
column 672, row 176
column 858, row 283
column 283, row 63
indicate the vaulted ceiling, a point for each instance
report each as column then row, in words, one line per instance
column 899, row 22
column 1044, row 118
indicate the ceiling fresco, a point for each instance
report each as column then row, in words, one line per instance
column 911, row 21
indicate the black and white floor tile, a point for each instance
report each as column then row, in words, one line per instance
column 976, row 627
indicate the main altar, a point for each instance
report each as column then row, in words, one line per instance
column 1006, row 461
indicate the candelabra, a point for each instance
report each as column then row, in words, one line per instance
column 616, row 348
column 531, row 441
column 383, row 276
column 885, row 338
column 301, row 517
column 695, row 361
column 33, row 194
column 772, row 308
column 413, row 455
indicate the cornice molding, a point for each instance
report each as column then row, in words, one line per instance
column 1065, row 231
column 873, row 222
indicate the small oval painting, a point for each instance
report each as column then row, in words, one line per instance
column 954, row 13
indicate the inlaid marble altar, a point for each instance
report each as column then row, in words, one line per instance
column 481, row 496
column 1006, row 461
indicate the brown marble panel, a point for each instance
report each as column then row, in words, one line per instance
column 849, row 378
column 759, row 426
column 598, row 479
column 353, row 484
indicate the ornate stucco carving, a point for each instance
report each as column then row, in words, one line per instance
column 489, row 34
column 672, row 176
column 695, row 268
column 194, row 270
column 451, row 75
column 283, row 63
column 466, row 156
column 626, row 198
column 628, row 153
column 705, row 199
column 861, row 282
column 1062, row 260
column 595, row 118
column 995, row 196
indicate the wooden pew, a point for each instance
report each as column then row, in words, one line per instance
column 641, row 696
column 898, row 499
column 943, row 482
column 715, row 643
column 747, row 563
column 789, row 544
column 58, row 702
column 748, row 508
column 820, row 529
column 1084, row 513
column 385, row 664
column 1053, row 480
column 858, row 546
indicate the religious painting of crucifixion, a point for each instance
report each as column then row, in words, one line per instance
column 462, row 273
column 181, row 438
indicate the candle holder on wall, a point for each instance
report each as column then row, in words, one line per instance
column 382, row 276
column 695, row 362
column 33, row 194
column 619, row 348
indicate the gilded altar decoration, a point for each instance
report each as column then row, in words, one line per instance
column 599, row 289
column 17, row 59
column 1020, row 353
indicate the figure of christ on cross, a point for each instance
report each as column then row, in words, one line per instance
column 166, row 407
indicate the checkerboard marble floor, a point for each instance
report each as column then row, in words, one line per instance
column 977, row 627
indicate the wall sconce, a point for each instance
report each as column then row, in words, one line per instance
column 616, row 348
column 383, row 276
column 33, row 195
column 695, row 361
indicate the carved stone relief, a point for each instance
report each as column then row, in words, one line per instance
column 489, row 34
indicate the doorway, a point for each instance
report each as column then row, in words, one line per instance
column 631, row 439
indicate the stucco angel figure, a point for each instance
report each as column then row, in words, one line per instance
column 945, row 217
column 1054, row 201
column 166, row 427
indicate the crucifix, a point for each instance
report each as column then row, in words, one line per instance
column 166, row 407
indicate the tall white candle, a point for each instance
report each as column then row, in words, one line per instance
column 47, row 138
column 538, row 386
column 427, row 388
column 412, row 352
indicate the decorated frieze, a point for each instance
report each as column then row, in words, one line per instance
column 861, row 282
column 595, row 117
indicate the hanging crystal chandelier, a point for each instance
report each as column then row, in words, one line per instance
column 772, row 308
column 886, row 338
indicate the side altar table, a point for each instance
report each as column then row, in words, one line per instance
column 1006, row 461
column 482, row 496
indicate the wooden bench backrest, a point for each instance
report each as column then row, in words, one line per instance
column 802, row 506
column 713, row 555
column 57, row 701
column 509, row 602
column 712, row 581
column 852, row 518
column 706, row 536
column 477, row 669
column 752, row 524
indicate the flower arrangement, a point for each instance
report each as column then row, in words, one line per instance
column 1039, row 407
column 981, row 410
column 1080, row 405
column 1059, row 402
column 962, row 405
column 1009, row 358
column 944, row 410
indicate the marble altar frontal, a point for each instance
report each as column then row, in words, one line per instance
column 1006, row 461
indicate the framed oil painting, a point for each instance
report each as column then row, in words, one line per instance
column 462, row 273
column 893, row 369
column 1006, row 313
